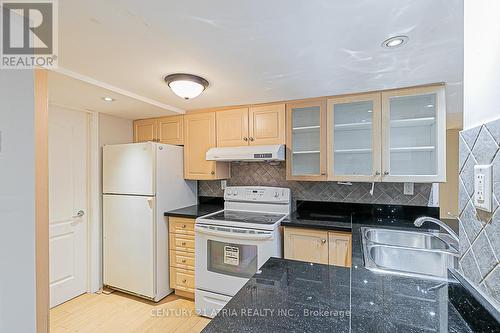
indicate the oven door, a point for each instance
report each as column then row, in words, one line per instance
column 226, row 257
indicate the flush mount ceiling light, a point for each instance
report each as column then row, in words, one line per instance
column 108, row 99
column 396, row 41
column 186, row 86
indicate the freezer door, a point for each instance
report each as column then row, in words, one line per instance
column 129, row 243
column 129, row 169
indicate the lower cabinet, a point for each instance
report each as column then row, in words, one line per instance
column 318, row 246
column 181, row 248
column 339, row 248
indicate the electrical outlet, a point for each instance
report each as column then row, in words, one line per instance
column 483, row 187
column 409, row 188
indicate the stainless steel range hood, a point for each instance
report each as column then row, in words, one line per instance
column 247, row 153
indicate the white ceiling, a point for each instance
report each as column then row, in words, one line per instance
column 261, row 51
column 68, row 92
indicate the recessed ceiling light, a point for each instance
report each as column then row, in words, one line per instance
column 395, row 41
column 108, row 99
column 186, row 86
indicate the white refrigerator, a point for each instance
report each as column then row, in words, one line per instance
column 141, row 181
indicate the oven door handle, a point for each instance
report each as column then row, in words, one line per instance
column 262, row 235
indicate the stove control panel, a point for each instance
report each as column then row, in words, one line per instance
column 257, row 193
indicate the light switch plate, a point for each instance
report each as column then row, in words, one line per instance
column 483, row 187
column 409, row 189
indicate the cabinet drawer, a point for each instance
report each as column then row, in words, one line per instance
column 182, row 242
column 182, row 279
column 182, row 259
column 179, row 225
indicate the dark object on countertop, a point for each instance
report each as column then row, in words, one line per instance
column 338, row 215
column 206, row 205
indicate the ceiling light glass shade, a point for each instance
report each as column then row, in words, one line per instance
column 186, row 86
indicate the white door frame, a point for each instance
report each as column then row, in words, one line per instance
column 94, row 239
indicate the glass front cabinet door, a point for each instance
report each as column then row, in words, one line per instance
column 354, row 137
column 414, row 134
column 306, row 140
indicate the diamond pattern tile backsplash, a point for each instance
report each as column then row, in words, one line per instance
column 265, row 174
column 479, row 230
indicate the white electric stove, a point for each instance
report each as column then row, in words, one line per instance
column 232, row 244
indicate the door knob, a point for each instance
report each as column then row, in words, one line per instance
column 80, row 213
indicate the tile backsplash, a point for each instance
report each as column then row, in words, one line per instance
column 265, row 174
column 479, row 230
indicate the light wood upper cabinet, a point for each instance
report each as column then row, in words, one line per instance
column 232, row 127
column 319, row 246
column 339, row 248
column 199, row 136
column 145, row 130
column 354, row 138
column 306, row 245
column 170, row 130
column 267, row 124
column 306, row 140
column 414, row 135
column 165, row 130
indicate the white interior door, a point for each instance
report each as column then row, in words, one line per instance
column 129, row 243
column 68, row 139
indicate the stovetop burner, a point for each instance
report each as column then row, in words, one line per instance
column 246, row 217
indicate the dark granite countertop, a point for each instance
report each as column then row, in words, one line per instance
column 204, row 207
column 293, row 296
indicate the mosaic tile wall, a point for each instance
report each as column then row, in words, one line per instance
column 480, row 231
column 264, row 174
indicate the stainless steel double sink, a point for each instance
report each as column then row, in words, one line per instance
column 425, row 255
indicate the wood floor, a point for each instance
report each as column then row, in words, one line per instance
column 118, row 312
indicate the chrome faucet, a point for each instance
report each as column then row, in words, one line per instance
column 418, row 223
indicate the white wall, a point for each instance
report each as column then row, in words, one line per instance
column 481, row 62
column 112, row 130
column 17, row 201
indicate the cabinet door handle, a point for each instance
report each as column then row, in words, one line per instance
column 323, row 241
column 183, row 261
column 323, row 174
column 377, row 173
column 184, row 226
column 245, row 139
column 251, row 139
column 386, row 173
column 183, row 243
column 212, row 173
column 184, row 281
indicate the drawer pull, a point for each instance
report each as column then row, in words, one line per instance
column 183, row 243
column 184, row 281
column 184, row 226
column 184, row 261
